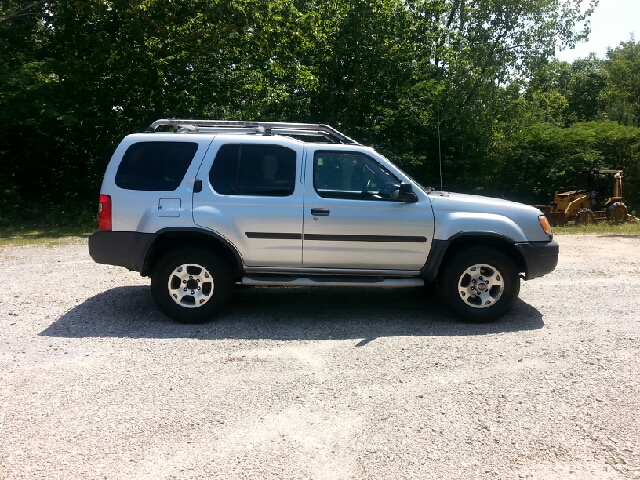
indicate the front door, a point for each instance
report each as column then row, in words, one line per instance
column 353, row 221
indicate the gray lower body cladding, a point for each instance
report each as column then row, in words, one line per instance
column 124, row 249
column 541, row 257
column 130, row 250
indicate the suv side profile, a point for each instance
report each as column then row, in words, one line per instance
column 213, row 204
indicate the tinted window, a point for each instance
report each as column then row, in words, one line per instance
column 155, row 166
column 224, row 171
column 253, row 170
column 352, row 175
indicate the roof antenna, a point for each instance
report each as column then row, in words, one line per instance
column 440, row 152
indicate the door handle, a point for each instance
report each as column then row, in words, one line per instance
column 320, row 212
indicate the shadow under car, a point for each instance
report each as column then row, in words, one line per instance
column 286, row 313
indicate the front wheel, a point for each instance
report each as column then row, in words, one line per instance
column 480, row 284
column 191, row 285
column 617, row 212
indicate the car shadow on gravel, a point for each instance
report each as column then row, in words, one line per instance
column 286, row 313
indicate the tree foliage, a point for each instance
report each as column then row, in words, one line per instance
column 472, row 79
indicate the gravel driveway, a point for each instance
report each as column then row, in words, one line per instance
column 304, row 383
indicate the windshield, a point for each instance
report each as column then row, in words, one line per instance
column 417, row 184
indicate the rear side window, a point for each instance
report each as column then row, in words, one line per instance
column 267, row 170
column 155, row 166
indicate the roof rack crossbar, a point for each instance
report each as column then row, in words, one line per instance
column 264, row 128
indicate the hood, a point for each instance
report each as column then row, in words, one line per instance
column 460, row 202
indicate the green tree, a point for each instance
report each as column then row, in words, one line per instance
column 622, row 94
column 544, row 158
column 80, row 75
column 408, row 76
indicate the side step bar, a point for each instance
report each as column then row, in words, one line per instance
column 281, row 281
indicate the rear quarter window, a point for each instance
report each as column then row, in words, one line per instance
column 155, row 166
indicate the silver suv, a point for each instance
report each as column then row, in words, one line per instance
column 211, row 204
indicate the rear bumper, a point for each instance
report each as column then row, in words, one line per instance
column 540, row 257
column 124, row 249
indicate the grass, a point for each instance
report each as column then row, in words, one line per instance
column 47, row 235
column 48, row 227
column 602, row 228
column 51, row 230
column 25, row 234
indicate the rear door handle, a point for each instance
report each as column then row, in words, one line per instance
column 320, row 212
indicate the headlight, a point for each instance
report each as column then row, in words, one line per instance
column 544, row 223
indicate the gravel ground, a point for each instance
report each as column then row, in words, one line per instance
column 303, row 383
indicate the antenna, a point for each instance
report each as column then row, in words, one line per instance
column 440, row 153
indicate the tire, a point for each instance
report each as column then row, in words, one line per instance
column 617, row 212
column 191, row 285
column 474, row 269
column 585, row 217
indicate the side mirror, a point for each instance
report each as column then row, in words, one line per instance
column 406, row 194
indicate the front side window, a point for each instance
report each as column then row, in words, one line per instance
column 155, row 166
column 352, row 175
column 267, row 170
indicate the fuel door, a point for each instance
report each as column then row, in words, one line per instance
column 169, row 207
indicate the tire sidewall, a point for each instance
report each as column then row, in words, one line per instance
column 585, row 217
column 448, row 286
column 617, row 212
column 217, row 268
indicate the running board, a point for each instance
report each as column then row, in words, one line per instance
column 282, row 281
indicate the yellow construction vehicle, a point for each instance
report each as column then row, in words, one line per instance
column 600, row 200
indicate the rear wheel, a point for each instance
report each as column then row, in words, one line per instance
column 191, row 285
column 585, row 217
column 480, row 284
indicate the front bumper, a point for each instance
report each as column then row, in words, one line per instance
column 124, row 249
column 540, row 257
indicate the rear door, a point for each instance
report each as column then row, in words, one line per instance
column 252, row 196
column 353, row 221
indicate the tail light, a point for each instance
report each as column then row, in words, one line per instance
column 104, row 212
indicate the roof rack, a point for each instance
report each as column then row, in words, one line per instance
column 256, row 128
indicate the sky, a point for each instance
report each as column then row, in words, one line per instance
column 612, row 22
